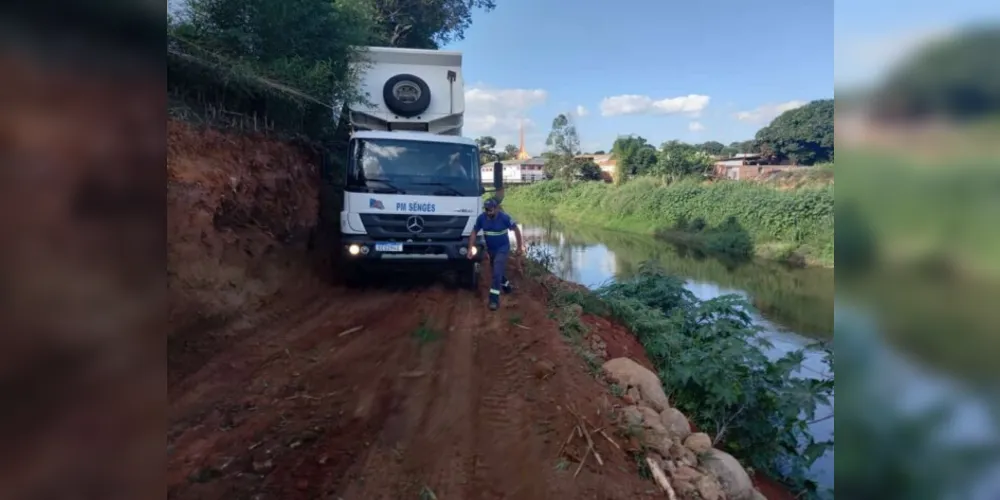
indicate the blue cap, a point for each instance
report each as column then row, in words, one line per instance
column 490, row 204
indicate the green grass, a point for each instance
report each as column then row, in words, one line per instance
column 919, row 209
column 779, row 222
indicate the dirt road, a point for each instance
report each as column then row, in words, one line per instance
column 390, row 393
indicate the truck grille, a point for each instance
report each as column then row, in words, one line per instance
column 396, row 227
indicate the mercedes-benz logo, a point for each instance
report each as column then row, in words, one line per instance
column 415, row 224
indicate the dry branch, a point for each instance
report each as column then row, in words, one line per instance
column 661, row 478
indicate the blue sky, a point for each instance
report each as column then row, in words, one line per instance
column 873, row 36
column 693, row 70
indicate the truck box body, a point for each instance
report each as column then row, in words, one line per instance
column 446, row 107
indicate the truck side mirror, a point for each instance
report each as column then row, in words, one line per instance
column 498, row 175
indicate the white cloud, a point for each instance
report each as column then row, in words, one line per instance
column 767, row 112
column 581, row 111
column 500, row 112
column 696, row 127
column 634, row 104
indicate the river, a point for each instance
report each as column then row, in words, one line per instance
column 795, row 308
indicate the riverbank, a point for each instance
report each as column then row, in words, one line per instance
column 737, row 219
column 740, row 397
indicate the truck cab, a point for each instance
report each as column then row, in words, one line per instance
column 413, row 187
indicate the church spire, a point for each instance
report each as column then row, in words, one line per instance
column 521, row 153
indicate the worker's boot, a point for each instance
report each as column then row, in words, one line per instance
column 507, row 287
column 494, row 304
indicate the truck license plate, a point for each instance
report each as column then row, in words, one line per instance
column 388, row 247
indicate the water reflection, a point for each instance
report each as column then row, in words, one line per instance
column 799, row 300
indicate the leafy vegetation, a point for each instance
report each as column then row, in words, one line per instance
column 276, row 65
column 803, row 136
column 780, row 222
column 712, row 364
column 727, row 239
column 956, row 77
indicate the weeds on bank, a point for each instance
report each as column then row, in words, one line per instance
column 801, row 217
column 712, row 363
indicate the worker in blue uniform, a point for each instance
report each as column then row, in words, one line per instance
column 495, row 225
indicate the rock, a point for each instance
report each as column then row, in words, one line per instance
column 262, row 466
column 681, row 454
column 654, row 435
column 757, row 495
column 676, row 423
column 544, row 369
column 699, row 442
column 686, row 473
column 632, row 396
column 709, row 488
column 736, row 484
column 628, row 373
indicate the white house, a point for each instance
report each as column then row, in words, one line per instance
column 516, row 171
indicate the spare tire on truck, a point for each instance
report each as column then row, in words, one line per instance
column 406, row 95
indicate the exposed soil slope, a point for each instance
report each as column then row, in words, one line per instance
column 239, row 209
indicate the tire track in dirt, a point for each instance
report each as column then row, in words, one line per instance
column 263, row 389
column 432, row 412
column 501, row 411
column 386, row 413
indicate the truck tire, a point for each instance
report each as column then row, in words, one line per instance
column 406, row 95
column 353, row 276
column 468, row 275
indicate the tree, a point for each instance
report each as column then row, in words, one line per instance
column 956, row 78
column 745, row 147
column 803, row 135
column 563, row 139
column 486, row 152
column 600, row 152
column 634, row 156
column 254, row 35
column 424, row 24
column 677, row 160
column 510, row 151
column 712, row 147
column 585, row 169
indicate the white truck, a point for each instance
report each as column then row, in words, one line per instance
column 413, row 187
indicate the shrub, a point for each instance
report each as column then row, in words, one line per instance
column 712, row 364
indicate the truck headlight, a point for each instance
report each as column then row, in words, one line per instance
column 354, row 249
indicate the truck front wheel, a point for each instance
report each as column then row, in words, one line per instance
column 353, row 276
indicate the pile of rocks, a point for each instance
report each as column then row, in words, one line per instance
column 695, row 469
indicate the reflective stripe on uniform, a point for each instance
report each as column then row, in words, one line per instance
column 494, row 291
column 495, row 233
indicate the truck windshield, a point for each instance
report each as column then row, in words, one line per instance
column 413, row 167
